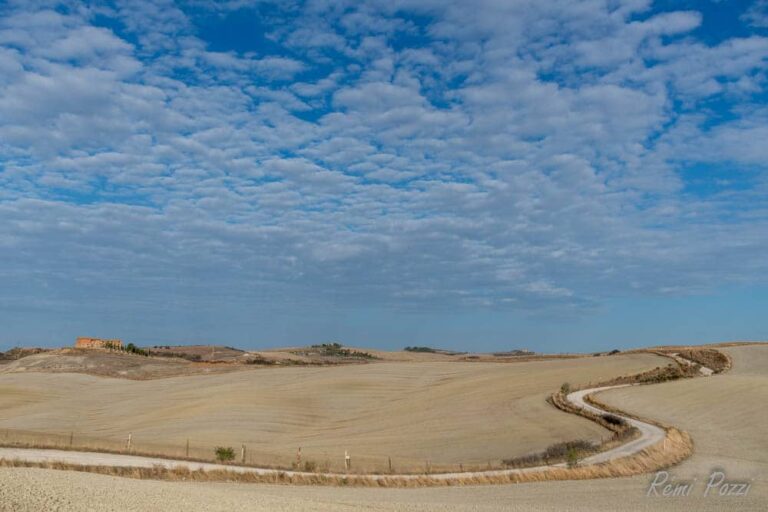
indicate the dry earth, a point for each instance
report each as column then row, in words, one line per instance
column 103, row 363
column 725, row 414
column 447, row 413
column 27, row 490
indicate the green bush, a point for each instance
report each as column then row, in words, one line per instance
column 567, row 451
column 565, row 388
column 420, row 349
column 133, row 349
column 614, row 420
column 560, row 450
column 338, row 350
column 224, row 453
column 572, row 457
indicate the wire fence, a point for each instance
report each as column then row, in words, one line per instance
column 193, row 449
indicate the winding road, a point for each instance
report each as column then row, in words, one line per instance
column 649, row 436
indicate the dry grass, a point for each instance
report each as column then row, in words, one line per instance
column 722, row 413
column 678, row 447
column 725, row 414
column 711, row 358
column 443, row 414
column 672, row 371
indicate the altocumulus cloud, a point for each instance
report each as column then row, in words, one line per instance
column 401, row 154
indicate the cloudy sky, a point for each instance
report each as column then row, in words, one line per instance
column 559, row 175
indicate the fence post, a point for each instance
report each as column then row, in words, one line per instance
column 242, row 455
column 390, row 464
column 71, row 438
column 128, row 444
column 187, row 448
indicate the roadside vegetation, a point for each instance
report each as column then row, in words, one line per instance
column 224, row 453
column 672, row 371
column 678, row 448
column 567, row 451
column 712, row 359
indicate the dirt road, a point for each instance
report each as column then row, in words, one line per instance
column 649, row 435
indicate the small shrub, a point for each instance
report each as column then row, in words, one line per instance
column 614, row 420
column 572, row 457
column 560, row 450
column 260, row 360
column 565, row 388
column 224, row 453
column 553, row 453
column 133, row 349
column 310, row 466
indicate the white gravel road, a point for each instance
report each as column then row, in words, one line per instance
column 649, row 435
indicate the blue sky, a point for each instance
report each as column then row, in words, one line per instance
column 560, row 176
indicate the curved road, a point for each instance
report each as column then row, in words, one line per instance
column 649, row 435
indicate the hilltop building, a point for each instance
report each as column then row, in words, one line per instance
column 84, row 342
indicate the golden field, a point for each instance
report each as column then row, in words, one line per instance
column 447, row 413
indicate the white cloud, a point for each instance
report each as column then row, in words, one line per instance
column 522, row 153
column 757, row 14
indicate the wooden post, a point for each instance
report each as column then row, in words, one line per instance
column 298, row 458
column 347, row 461
column 461, row 467
column 128, row 443
column 71, row 438
column 390, row 464
column 187, row 452
column 242, row 455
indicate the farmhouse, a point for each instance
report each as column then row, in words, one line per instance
column 84, row 342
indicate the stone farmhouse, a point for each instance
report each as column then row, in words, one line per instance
column 84, row 342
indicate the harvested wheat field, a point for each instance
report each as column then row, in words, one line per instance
column 725, row 414
column 445, row 413
column 32, row 490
